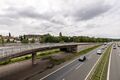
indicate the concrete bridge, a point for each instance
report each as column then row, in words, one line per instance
column 17, row 51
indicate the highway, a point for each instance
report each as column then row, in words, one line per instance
column 114, row 71
column 74, row 70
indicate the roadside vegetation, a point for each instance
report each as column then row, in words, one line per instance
column 100, row 72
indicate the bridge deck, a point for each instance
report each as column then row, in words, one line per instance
column 17, row 51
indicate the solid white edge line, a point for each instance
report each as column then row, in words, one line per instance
column 108, row 73
column 59, row 68
column 94, row 66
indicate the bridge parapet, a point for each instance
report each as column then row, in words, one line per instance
column 17, row 51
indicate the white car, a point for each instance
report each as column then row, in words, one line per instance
column 99, row 52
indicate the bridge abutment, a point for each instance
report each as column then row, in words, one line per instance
column 69, row 49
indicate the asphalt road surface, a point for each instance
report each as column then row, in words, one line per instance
column 114, row 73
column 75, row 70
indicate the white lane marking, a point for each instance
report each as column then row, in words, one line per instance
column 59, row 68
column 79, row 66
column 108, row 73
column 69, row 71
column 93, row 67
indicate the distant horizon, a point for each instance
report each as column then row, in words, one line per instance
column 54, row 35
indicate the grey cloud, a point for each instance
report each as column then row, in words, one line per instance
column 29, row 12
column 57, row 22
column 78, row 31
column 91, row 11
column 7, row 21
column 91, row 26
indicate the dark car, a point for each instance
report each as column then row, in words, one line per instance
column 82, row 58
column 114, row 48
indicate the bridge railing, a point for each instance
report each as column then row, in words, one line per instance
column 6, row 51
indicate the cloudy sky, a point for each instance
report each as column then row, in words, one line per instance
column 98, row 18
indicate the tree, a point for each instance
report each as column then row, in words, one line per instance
column 21, row 38
column 8, row 40
column 32, row 41
column 55, row 39
column 2, row 41
column 25, row 41
column 60, row 34
column 9, row 34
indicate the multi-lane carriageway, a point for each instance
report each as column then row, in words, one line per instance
column 73, row 70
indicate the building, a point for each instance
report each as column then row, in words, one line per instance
column 8, row 38
column 30, row 37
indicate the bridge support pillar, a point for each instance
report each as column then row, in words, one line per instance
column 69, row 49
column 33, row 58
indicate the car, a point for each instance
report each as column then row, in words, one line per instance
column 114, row 47
column 82, row 58
column 105, row 43
column 99, row 52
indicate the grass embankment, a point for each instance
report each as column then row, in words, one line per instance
column 59, row 61
column 26, row 57
column 101, row 69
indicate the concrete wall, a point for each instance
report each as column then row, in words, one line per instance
column 82, row 47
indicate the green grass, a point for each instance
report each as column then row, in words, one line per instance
column 56, row 61
column 26, row 57
column 87, row 50
column 101, row 69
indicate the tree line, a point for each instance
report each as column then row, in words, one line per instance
column 56, row 39
column 48, row 38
